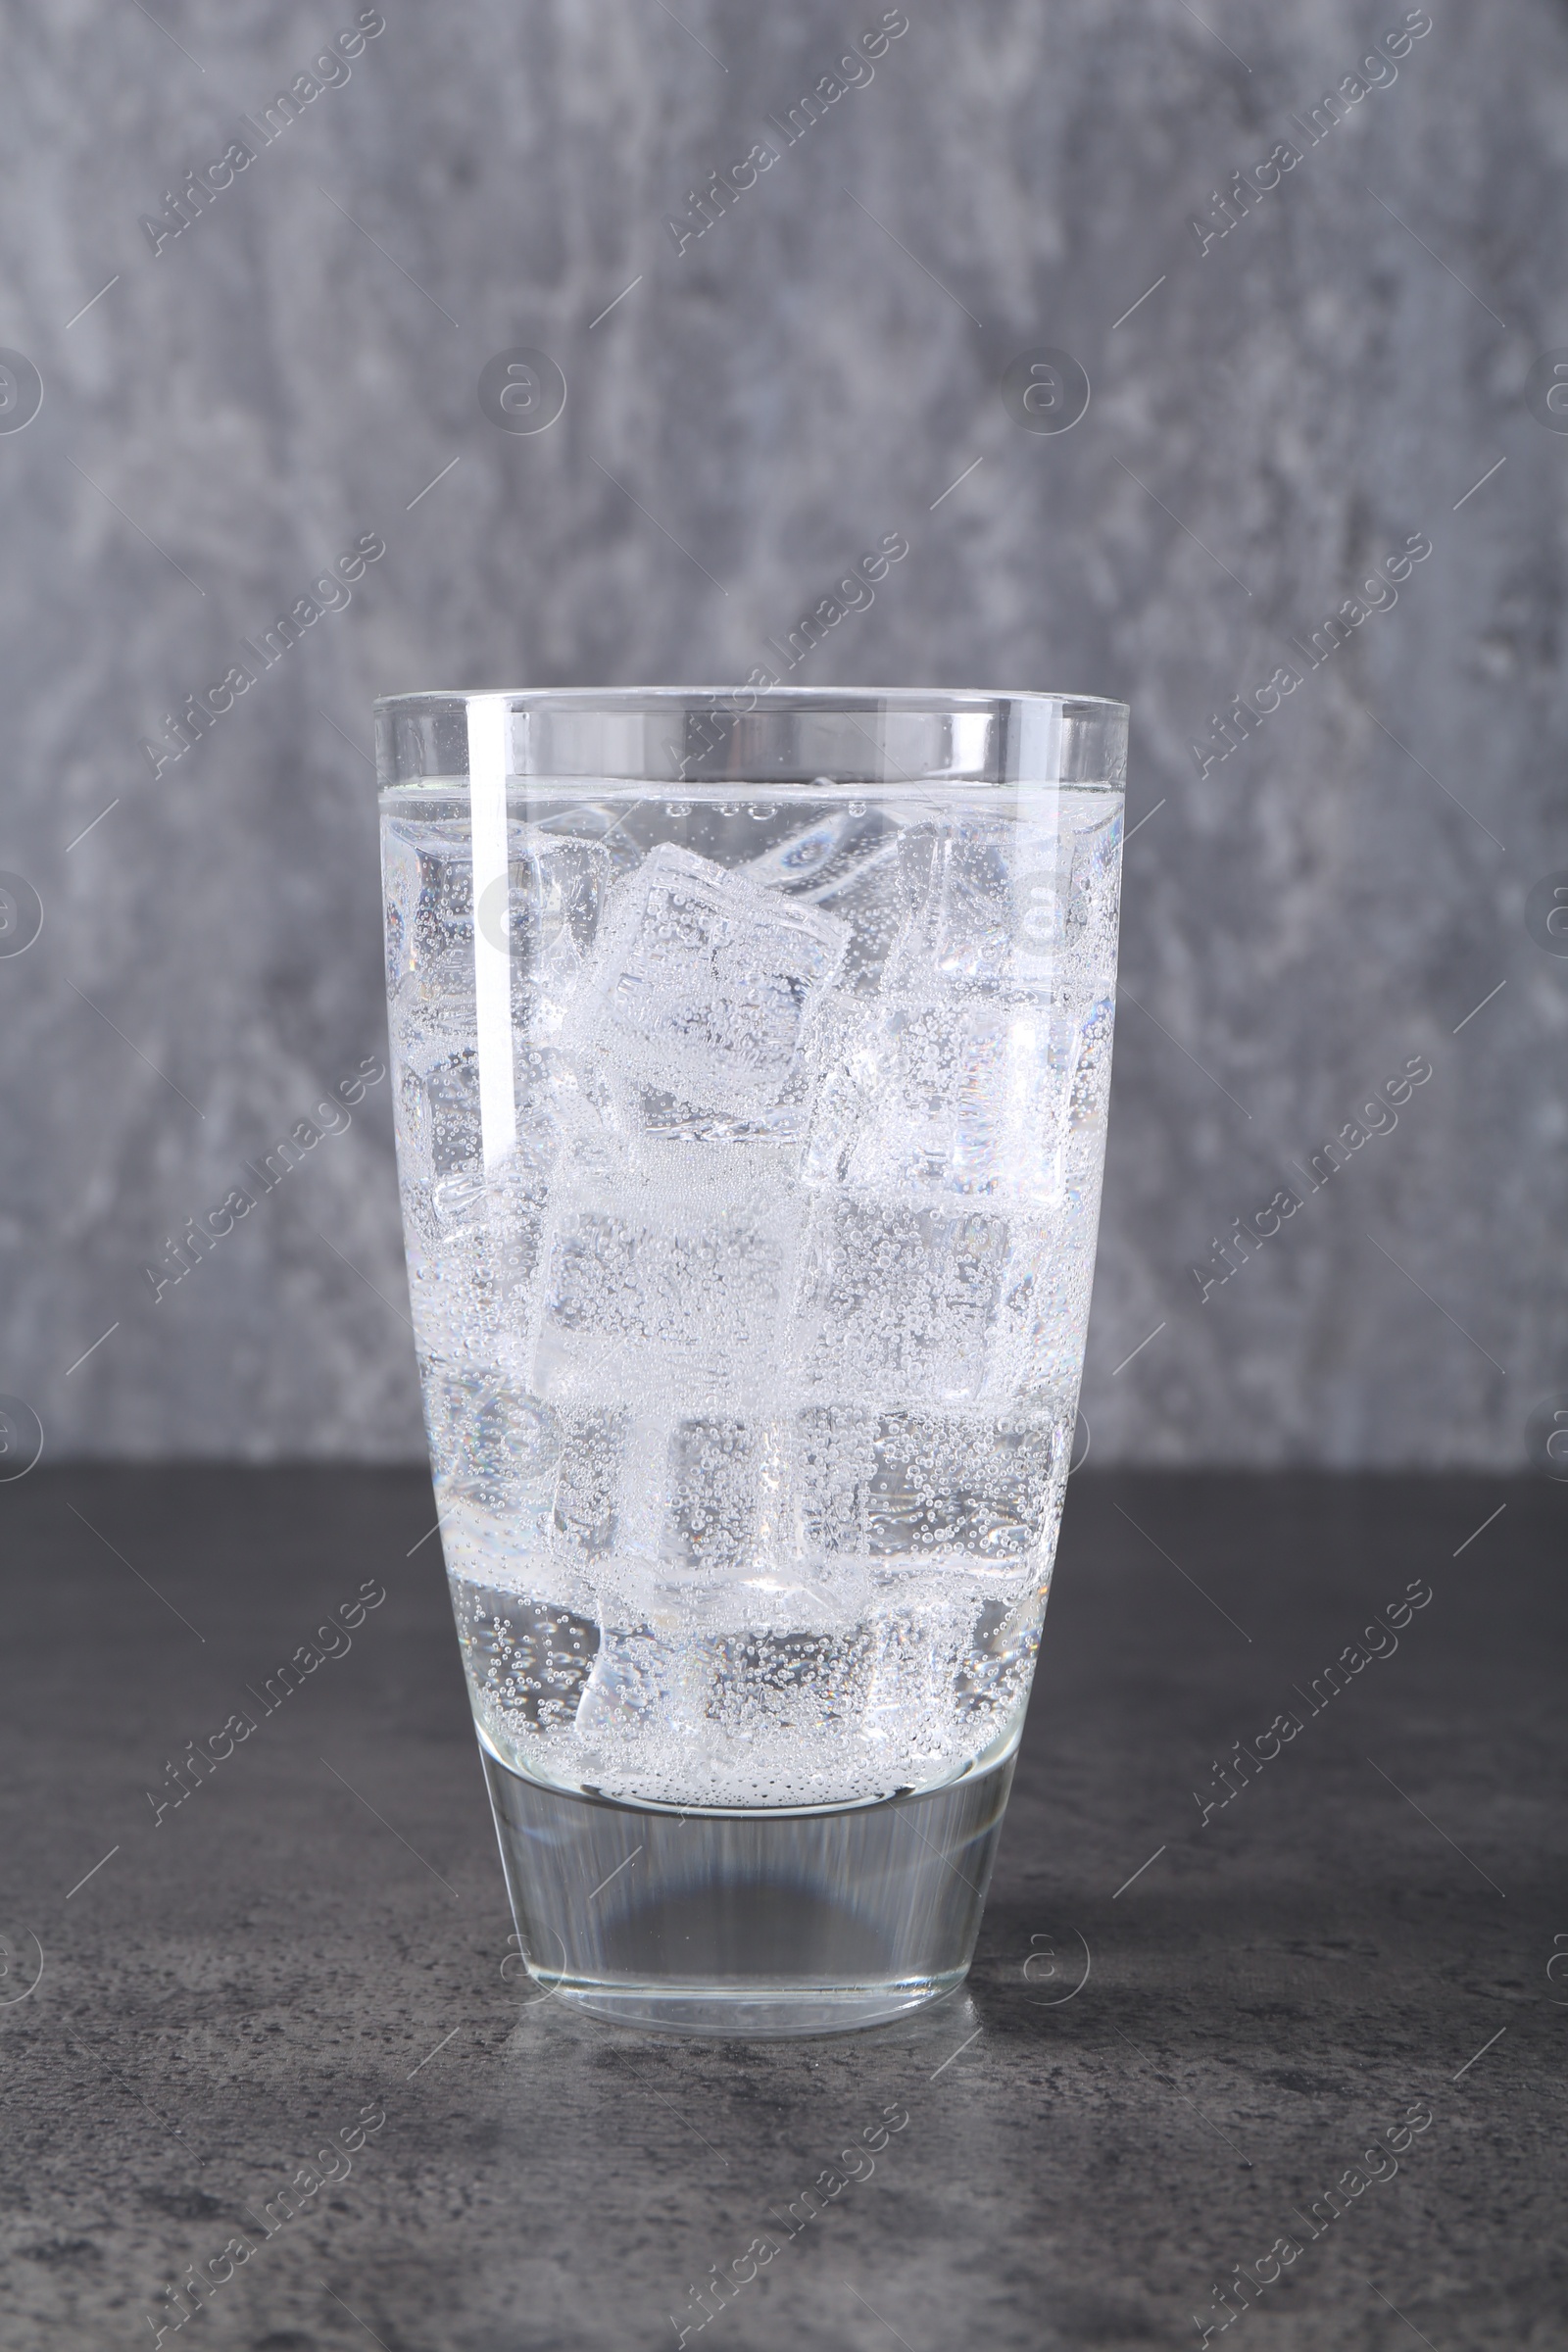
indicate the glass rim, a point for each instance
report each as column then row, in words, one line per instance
column 935, row 700
column 822, row 737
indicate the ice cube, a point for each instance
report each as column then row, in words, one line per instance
column 471, row 1293
column 491, row 1442
column 706, row 984
column 635, row 1690
column 895, row 1301
column 588, row 1480
column 564, row 1119
column 428, row 895
column 693, row 1285
column 473, row 1237
column 439, row 1133
column 1039, row 1340
column 702, row 1531
column 763, row 1684
column 831, row 1463
column 547, row 912
column 527, row 1661
column 987, row 896
column 951, row 1666
column 867, row 896
column 911, row 1487
column 447, row 1113
column 714, row 1464
column 982, row 1484
column 997, row 1660
column 964, row 1094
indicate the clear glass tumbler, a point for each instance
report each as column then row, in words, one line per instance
column 751, row 1053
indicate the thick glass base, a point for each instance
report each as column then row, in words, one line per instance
column 747, row 1924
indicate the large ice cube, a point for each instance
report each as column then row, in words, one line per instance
column 703, row 1528
column 565, row 1120
column 633, row 1700
column 761, row 1683
column 438, row 1113
column 474, row 1243
column 706, row 984
column 962, row 1093
column 427, row 881
column 492, row 1443
column 439, row 1135
column 546, row 911
column 909, row 1489
column 895, row 1301
column 470, row 1294
column 548, row 914
column 527, row 1660
column 987, row 898
column 740, row 1713
column 1038, row 1343
column 588, row 1478
column 694, row 1287
column 714, row 1467
column 982, row 1484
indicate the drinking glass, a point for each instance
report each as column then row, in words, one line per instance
column 752, row 1053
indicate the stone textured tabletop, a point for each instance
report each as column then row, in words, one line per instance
column 1308, row 2048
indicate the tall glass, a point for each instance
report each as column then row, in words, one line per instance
column 751, row 1053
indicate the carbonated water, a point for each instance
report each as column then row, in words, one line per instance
column 751, row 1362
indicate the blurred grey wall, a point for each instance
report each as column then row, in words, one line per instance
column 1354, row 364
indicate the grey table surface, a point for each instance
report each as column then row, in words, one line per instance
column 1179, row 2033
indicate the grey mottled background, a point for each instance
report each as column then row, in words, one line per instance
column 292, row 372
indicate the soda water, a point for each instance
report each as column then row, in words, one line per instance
column 751, row 1365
